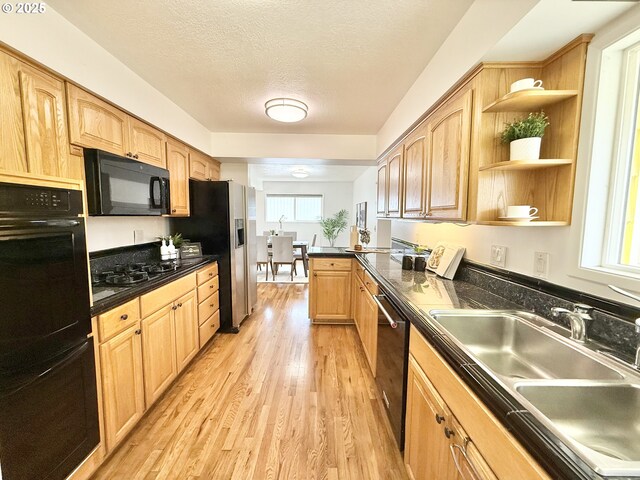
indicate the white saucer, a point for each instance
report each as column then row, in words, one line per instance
column 518, row 219
column 525, row 89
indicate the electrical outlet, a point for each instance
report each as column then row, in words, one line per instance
column 498, row 255
column 541, row 264
column 138, row 236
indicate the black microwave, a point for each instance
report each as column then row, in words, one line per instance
column 118, row 185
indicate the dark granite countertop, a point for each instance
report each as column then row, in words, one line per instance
column 414, row 294
column 123, row 295
column 329, row 252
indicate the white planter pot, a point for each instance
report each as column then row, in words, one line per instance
column 525, row 149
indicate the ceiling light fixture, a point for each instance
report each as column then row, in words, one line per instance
column 300, row 173
column 286, row 110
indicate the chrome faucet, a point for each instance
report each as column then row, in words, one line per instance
column 622, row 291
column 580, row 319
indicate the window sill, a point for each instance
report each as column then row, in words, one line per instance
column 607, row 276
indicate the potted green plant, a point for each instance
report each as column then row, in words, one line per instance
column 333, row 226
column 524, row 136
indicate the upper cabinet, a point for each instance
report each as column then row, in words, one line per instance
column 203, row 167
column 94, row 123
column 448, row 138
column 147, row 143
column 178, row 166
column 33, row 124
column 453, row 167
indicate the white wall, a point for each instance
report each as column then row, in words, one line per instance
column 337, row 195
column 110, row 232
column 238, row 172
column 364, row 190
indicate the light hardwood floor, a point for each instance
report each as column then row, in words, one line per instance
column 282, row 399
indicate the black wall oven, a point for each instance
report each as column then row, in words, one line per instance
column 48, row 399
column 121, row 186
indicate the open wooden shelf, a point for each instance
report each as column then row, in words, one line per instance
column 532, row 223
column 527, row 164
column 529, row 100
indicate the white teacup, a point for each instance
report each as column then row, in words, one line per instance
column 525, row 83
column 521, row 211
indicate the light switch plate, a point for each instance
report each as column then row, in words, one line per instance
column 499, row 255
column 541, row 264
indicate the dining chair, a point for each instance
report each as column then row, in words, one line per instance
column 293, row 235
column 282, row 254
column 262, row 254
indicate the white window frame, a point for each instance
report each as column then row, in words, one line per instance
column 596, row 154
column 294, row 196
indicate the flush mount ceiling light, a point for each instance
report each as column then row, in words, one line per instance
column 286, row 110
column 300, row 173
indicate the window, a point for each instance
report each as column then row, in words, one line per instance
column 294, row 208
column 622, row 240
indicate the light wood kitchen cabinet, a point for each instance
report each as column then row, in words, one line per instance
column 13, row 156
column 147, row 144
column 122, row 384
column 330, row 290
column 203, row 167
column 394, row 182
column 159, row 359
column 444, row 418
column 185, row 317
column 381, row 187
column 415, row 174
column 94, row 123
column 208, row 303
column 178, row 166
column 366, row 319
column 449, row 138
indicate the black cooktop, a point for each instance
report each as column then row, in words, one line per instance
column 124, row 276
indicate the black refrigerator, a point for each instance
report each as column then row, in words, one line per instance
column 222, row 219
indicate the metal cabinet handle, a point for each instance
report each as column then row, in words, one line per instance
column 439, row 418
column 472, row 468
column 124, row 317
column 448, row 432
column 361, row 288
column 179, row 305
column 173, row 211
column 315, row 274
column 211, row 274
column 138, row 332
column 135, row 156
column 210, row 286
column 391, row 321
column 174, row 308
column 211, row 305
column 129, row 154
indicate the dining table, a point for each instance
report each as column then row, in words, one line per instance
column 302, row 246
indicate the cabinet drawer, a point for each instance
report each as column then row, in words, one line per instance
column 206, row 308
column 208, row 328
column 154, row 301
column 331, row 263
column 207, row 273
column 358, row 269
column 370, row 283
column 117, row 320
column 205, row 290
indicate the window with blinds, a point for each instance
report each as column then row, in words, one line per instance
column 293, row 208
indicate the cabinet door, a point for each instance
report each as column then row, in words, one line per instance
column 415, row 169
column 158, row 346
column 45, row 123
column 469, row 462
column 449, row 139
column 13, row 155
column 178, row 166
column 147, row 143
column 122, row 384
column 370, row 322
column 94, row 123
column 214, row 170
column 198, row 166
column 186, row 327
column 394, row 182
column 382, row 190
column 426, row 451
column 331, row 296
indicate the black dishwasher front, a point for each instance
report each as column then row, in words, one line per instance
column 391, row 364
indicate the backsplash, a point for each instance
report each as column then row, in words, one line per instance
column 105, row 259
column 111, row 232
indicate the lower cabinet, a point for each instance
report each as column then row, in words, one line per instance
column 185, row 318
column 330, row 290
column 366, row 320
column 158, row 340
column 450, row 434
column 122, row 384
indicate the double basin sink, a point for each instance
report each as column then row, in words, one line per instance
column 589, row 401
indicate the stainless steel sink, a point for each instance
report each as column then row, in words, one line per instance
column 512, row 347
column 602, row 418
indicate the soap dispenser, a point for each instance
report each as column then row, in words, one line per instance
column 173, row 252
column 164, row 250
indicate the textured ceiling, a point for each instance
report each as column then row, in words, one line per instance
column 351, row 61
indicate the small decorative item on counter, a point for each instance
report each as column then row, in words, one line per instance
column 191, row 250
column 444, row 259
column 524, row 136
column 353, row 236
column 357, row 247
column 173, row 252
column 420, row 264
column 407, row 262
column 365, row 236
column 164, row 250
